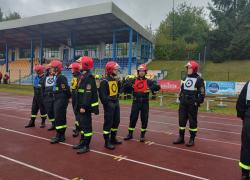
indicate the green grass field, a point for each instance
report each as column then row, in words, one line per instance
column 168, row 102
column 227, row 71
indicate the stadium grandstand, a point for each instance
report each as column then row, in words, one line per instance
column 102, row 31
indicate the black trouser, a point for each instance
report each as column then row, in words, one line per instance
column 49, row 106
column 111, row 117
column 74, row 101
column 37, row 103
column 85, row 124
column 245, row 143
column 60, row 110
column 143, row 109
column 188, row 111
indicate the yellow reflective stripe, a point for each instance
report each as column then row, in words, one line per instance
column 194, row 130
column 131, row 129
column 81, row 90
column 45, row 115
column 61, row 127
column 182, row 128
column 114, row 129
column 143, row 130
column 82, row 132
column 94, row 104
column 105, row 132
column 243, row 166
column 33, row 115
column 51, row 120
column 77, row 123
column 57, row 88
column 88, row 134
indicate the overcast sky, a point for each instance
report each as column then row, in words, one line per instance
column 145, row 12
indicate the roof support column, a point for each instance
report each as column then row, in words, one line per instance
column 41, row 49
column 114, row 46
column 6, row 58
column 31, row 56
column 130, row 50
column 136, row 54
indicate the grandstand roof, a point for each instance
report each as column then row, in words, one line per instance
column 90, row 25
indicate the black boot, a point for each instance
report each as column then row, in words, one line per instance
column 129, row 136
column 81, row 144
column 108, row 144
column 60, row 137
column 42, row 123
column 245, row 174
column 180, row 139
column 85, row 148
column 31, row 124
column 53, row 127
column 191, row 140
column 142, row 137
column 113, row 139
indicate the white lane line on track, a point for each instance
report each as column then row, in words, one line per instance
column 33, row 167
column 113, row 156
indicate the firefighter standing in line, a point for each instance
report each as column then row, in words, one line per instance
column 62, row 94
column 141, row 86
column 87, row 103
column 109, row 96
column 48, row 95
column 192, row 94
column 75, row 68
column 37, row 102
column 243, row 112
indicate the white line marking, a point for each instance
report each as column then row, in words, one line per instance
column 33, row 167
column 113, row 156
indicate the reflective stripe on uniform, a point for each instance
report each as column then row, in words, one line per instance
column 88, row 134
column 194, row 130
column 131, row 129
column 106, row 132
column 94, row 104
column 61, row 127
column 51, row 120
column 81, row 90
column 82, row 132
column 45, row 115
column 143, row 130
column 57, row 88
column 182, row 128
column 114, row 129
column 33, row 115
column 243, row 166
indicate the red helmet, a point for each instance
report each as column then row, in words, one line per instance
column 56, row 63
column 87, row 63
column 75, row 67
column 39, row 69
column 142, row 67
column 193, row 64
column 111, row 66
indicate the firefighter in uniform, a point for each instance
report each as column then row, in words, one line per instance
column 141, row 87
column 61, row 91
column 74, row 82
column 109, row 96
column 37, row 102
column 243, row 112
column 87, row 103
column 48, row 96
column 192, row 94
